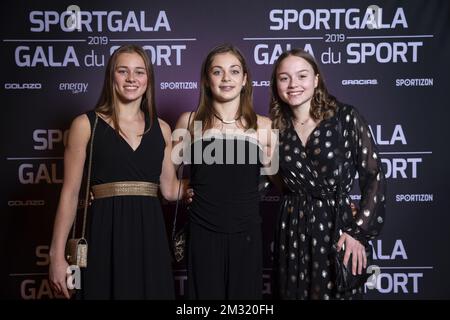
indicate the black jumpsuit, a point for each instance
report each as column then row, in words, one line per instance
column 225, row 245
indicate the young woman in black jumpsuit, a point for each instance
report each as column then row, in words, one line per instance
column 225, row 245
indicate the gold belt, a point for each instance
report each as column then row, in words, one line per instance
column 125, row 188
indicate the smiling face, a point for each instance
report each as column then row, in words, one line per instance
column 296, row 81
column 130, row 77
column 226, row 77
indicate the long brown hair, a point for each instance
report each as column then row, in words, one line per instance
column 205, row 112
column 323, row 104
column 107, row 103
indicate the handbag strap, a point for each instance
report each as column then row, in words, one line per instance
column 179, row 170
column 179, row 174
column 88, row 183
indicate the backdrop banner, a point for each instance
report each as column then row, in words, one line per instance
column 390, row 59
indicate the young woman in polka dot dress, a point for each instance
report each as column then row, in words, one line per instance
column 312, row 145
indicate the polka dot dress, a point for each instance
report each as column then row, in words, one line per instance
column 310, row 174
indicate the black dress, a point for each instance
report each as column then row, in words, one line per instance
column 225, row 241
column 306, row 221
column 128, row 256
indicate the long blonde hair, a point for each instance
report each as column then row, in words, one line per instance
column 107, row 103
column 323, row 104
column 205, row 112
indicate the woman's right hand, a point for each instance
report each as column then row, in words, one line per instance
column 58, row 277
column 188, row 195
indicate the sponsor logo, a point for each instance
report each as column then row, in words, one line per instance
column 263, row 83
column 23, row 86
column 26, row 203
column 187, row 85
column 414, row 82
column 360, row 82
column 75, row 87
column 414, row 198
column 270, row 198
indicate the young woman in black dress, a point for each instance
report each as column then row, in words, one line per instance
column 128, row 256
column 319, row 135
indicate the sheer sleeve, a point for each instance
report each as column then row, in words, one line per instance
column 370, row 217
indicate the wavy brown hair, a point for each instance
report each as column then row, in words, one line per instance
column 205, row 112
column 323, row 104
column 107, row 103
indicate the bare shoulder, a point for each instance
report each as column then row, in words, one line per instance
column 81, row 121
column 164, row 125
column 165, row 128
column 264, row 122
column 80, row 130
column 184, row 119
column 81, row 125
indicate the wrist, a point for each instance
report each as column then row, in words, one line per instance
column 56, row 255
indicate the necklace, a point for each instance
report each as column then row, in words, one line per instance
column 302, row 122
column 226, row 121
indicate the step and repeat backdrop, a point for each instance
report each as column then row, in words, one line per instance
column 390, row 59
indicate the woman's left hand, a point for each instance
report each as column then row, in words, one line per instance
column 188, row 195
column 354, row 248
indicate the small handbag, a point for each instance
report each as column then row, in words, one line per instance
column 77, row 248
column 179, row 244
column 345, row 280
column 76, row 252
